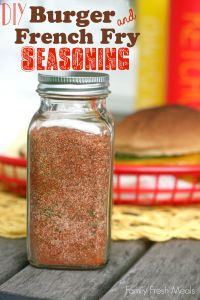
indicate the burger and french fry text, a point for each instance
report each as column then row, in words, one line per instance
column 76, row 58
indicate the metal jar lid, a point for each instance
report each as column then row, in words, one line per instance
column 74, row 84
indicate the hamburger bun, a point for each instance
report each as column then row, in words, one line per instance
column 160, row 131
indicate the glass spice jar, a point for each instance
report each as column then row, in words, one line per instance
column 70, row 145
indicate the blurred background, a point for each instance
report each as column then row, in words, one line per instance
column 164, row 64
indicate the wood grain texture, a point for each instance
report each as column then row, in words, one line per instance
column 167, row 266
column 69, row 284
column 12, row 257
column 4, row 296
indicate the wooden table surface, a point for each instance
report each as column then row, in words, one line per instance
column 136, row 270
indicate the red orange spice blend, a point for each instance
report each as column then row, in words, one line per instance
column 69, row 198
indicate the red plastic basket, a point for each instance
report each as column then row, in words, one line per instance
column 13, row 174
column 188, row 192
column 135, row 192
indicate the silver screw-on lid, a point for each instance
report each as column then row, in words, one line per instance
column 74, row 84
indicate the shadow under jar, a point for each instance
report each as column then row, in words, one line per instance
column 70, row 149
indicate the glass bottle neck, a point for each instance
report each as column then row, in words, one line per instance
column 72, row 106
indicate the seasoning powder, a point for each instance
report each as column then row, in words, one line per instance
column 69, row 198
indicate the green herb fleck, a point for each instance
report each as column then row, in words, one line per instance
column 91, row 212
column 48, row 212
column 94, row 225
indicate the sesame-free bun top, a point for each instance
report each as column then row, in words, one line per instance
column 167, row 130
